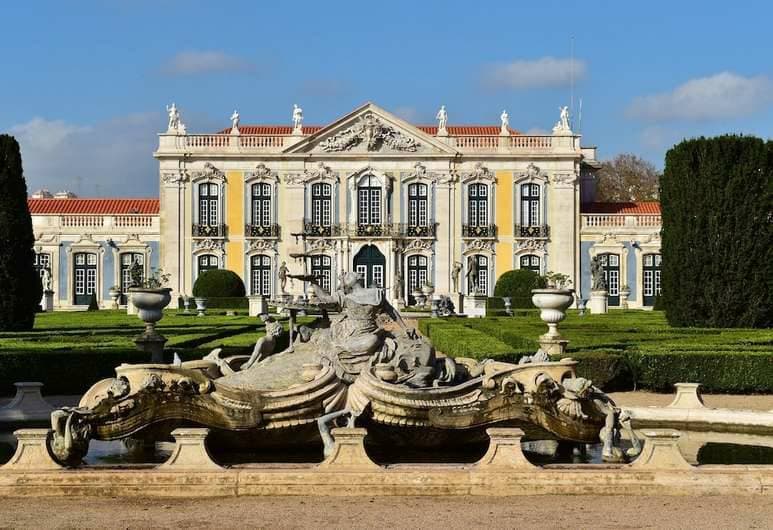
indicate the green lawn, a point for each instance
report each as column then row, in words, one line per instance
column 623, row 348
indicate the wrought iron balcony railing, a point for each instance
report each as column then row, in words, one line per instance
column 262, row 230
column 209, row 230
column 479, row 231
column 407, row 230
column 533, row 231
column 311, row 229
column 383, row 230
column 386, row 230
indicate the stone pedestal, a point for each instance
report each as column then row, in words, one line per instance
column 47, row 301
column 475, row 305
column 458, row 300
column 552, row 345
column 348, row 451
column 688, row 396
column 504, row 451
column 661, row 451
column 27, row 405
column 131, row 309
column 32, row 452
column 190, row 452
column 598, row 302
column 152, row 344
column 258, row 305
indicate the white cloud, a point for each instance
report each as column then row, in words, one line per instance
column 196, row 62
column 537, row 73
column 723, row 95
column 111, row 158
column 408, row 113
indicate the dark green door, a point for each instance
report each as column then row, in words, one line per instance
column 370, row 264
column 610, row 264
column 84, row 277
column 651, row 278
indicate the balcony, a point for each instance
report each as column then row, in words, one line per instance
column 624, row 223
column 481, row 231
column 383, row 230
column 268, row 231
column 208, row 230
column 311, row 229
column 407, row 230
column 532, row 231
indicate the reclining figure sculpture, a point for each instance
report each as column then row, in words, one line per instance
column 346, row 367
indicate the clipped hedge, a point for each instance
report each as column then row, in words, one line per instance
column 218, row 283
column 517, row 284
column 228, row 302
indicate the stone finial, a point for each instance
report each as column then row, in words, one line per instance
column 190, row 452
column 688, row 396
column 348, row 451
column 504, row 451
column 32, row 452
column 661, row 451
column 27, row 405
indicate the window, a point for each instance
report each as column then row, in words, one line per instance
column 417, row 275
column 651, row 278
column 127, row 260
column 477, row 214
column 320, row 267
column 610, row 264
column 480, row 263
column 417, row 205
column 84, row 277
column 321, row 204
column 530, row 198
column 530, row 262
column 42, row 261
column 261, row 204
column 209, row 204
column 260, row 275
column 369, row 206
column 208, row 262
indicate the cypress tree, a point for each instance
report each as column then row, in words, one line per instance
column 20, row 287
column 717, row 242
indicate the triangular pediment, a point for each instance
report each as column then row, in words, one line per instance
column 370, row 129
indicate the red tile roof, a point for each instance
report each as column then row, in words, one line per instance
column 641, row 208
column 93, row 206
column 453, row 130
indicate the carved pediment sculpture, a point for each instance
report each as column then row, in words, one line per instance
column 479, row 245
column 373, row 134
column 479, row 172
column 208, row 244
column 262, row 245
column 419, row 245
column 261, row 172
column 174, row 177
column 321, row 172
column 533, row 172
column 531, row 244
column 210, row 172
column 564, row 180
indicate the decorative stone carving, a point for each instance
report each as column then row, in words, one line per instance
column 442, row 120
column 531, row 244
column 564, row 180
column 210, row 172
column 208, row 244
column 322, row 172
column 297, row 119
column 479, row 245
column 321, row 244
column 262, row 245
column 175, row 125
column 479, row 172
column 562, row 126
column 261, row 172
column 235, row 122
column 417, row 245
column 174, row 177
column 533, row 173
column 420, row 172
column 504, row 129
column 373, row 133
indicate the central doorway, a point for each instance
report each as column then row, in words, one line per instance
column 370, row 264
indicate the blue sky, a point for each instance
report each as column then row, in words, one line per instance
column 85, row 83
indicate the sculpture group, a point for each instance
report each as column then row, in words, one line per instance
column 363, row 366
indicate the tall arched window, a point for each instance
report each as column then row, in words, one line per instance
column 321, row 268
column 321, row 204
column 209, row 204
column 42, row 261
column 369, row 202
column 530, row 262
column 208, row 262
column 477, row 205
column 417, row 275
column 610, row 264
column 260, row 275
column 261, row 204
column 530, row 199
column 418, row 214
column 479, row 262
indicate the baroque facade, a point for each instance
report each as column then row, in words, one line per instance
column 402, row 205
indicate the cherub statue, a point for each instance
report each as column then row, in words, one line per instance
column 265, row 345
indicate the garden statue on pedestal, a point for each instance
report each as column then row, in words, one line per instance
column 598, row 295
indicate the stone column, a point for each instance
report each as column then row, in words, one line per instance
column 32, row 452
column 598, row 302
column 661, row 451
column 27, row 405
column 504, row 451
column 349, row 451
column 190, row 452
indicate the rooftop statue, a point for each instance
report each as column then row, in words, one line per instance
column 175, row 124
column 362, row 365
column 297, row 118
column 505, row 123
column 234, row 121
column 442, row 118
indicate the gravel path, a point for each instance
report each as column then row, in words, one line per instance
column 393, row 512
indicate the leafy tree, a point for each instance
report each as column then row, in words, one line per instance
column 627, row 178
column 517, row 284
column 717, row 241
column 20, row 287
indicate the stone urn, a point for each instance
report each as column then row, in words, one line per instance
column 625, row 292
column 201, row 306
column 150, row 304
column 417, row 295
column 115, row 294
column 427, row 289
column 508, row 305
column 553, row 304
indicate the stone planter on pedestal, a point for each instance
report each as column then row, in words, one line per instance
column 553, row 304
column 258, row 305
column 508, row 305
column 115, row 294
column 475, row 305
column 598, row 302
column 624, row 294
column 201, row 306
column 150, row 304
column 47, row 301
column 131, row 309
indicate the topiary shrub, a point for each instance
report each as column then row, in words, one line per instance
column 218, row 283
column 517, row 284
column 93, row 304
column 21, row 288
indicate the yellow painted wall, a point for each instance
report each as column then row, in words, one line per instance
column 234, row 200
column 504, row 221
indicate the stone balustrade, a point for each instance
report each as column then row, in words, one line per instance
column 97, row 223
column 619, row 221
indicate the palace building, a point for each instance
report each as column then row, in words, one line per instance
column 403, row 205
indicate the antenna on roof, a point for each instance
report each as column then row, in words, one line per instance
column 571, row 75
column 579, row 117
